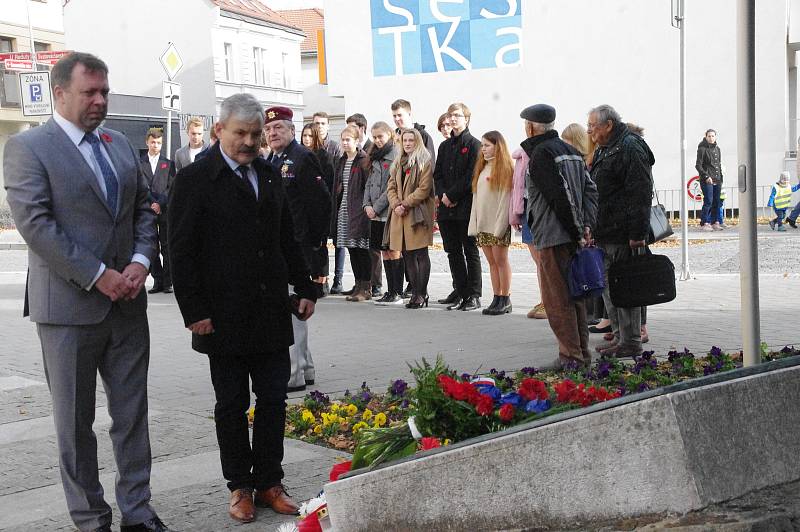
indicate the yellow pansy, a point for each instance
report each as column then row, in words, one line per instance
column 358, row 426
column 446, row 441
column 352, row 409
column 340, row 419
column 318, row 429
column 327, row 419
column 367, row 415
column 380, row 419
column 334, row 408
column 308, row 416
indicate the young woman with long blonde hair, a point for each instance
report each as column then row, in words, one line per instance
column 488, row 221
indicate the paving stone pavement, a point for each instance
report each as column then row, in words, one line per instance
column 351, row 344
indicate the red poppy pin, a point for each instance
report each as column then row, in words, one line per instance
column 464, row 150
column 106, row 137
column 408, row 171
column 163, row 165
column 385, row 166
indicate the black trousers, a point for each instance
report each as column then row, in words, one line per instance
column 462, row 253
column 245, row 466
column 319, row 261
column 361, row 263
column 161, row 273
column 418, row 266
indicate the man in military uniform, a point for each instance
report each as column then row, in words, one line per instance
column 310, row 204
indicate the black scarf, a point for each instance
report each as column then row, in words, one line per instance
column 379, row 154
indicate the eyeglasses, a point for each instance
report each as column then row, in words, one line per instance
column 456, row 115
column 589, row 125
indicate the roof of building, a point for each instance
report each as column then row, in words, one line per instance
column 308, row 20
column 256, row 9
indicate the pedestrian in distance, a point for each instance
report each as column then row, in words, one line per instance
column 80, row 200
column 351, row 222
column 376, row 207
column 709, row 168
column 488, row 221
column 185, row 155
column 562, row 211
column 234, row 252
column 159, row 172
column 780, row 199
column 453, row 181
column 622, row 169
column 410, row 194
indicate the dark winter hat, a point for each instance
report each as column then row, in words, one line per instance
column 541, row 113
column 278, row 113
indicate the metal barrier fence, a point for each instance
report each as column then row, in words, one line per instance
column 671, row 200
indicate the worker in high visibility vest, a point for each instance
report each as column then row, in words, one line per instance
column 721, row 218
column 780, row 200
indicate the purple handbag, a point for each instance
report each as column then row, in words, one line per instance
column 586, row 273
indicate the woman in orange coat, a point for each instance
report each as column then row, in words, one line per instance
column 411, row 201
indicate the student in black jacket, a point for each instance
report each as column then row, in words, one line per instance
column 453, row 181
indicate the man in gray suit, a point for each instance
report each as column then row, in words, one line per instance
column 185, row 155
column 80, row 201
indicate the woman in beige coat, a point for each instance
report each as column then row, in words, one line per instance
column 411, row 201
column 488, row 221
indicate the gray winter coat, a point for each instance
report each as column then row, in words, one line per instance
column 375, row 192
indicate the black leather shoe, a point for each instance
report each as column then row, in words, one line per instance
column 167, row 290
column 151, row 525
column 156, row 289
column 471, row 303
column 455, row 305
column 336, row 288
column 452, row 298
column 791, row 222
column 489, row 311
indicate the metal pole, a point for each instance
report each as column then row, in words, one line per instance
column 169, row 135
column 680, row 23
column 30, row 34
column 746, row 144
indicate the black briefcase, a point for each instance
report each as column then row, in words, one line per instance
column 641, row 280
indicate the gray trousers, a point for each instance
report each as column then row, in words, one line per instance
column 626, row 323
column 301, row 363
column 119, row 349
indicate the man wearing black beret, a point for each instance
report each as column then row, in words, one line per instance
column 562, row 206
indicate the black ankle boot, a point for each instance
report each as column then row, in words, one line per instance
column 490, row 310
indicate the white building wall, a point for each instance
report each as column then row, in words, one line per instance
column 581, row 53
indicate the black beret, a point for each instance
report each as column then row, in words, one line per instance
column 541, row 113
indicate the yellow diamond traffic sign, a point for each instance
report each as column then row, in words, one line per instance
column 171, row 61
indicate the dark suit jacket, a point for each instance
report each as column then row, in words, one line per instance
column 161, row 181
column 309, row 196
column 233, row 256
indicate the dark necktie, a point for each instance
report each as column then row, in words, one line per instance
column 112, row 187
column 244, row 172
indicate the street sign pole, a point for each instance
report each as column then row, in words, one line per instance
column 679, row 21
column 172, row 63
column 746, row 144
column 169, row 134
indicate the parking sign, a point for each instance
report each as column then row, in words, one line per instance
column 35, row 91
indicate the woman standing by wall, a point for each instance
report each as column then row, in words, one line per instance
column 488, row 221
column 411, row 201
column 352, row 224
column 709, row 168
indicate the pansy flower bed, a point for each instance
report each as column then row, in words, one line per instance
column 447, row 407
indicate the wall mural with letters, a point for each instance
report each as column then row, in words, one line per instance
column 421, row 36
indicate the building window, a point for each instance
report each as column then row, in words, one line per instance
column 261, row 66
column 228, row 61
column 41, row 46
column 285, row 66
column 6, row 44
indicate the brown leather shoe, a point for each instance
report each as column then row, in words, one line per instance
column 241, row 507
column 277, row 499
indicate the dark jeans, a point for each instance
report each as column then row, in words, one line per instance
column 710, row 213
column 780, row 215
column 462, row 253
column 338, row 264
column 245, row 466
column 361, row 263
column 161, row 273
column 795, row 212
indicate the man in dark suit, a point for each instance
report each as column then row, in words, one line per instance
column 160, row 173
column 80, row 201
column 233, row 252
column 310, row 204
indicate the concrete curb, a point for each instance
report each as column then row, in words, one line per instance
column 668, row 452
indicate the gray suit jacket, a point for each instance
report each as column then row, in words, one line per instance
column 61, row 212
column 182, row 158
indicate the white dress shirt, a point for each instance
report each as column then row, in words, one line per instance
column 76, row 135
column 194, row 151
column 153, row 161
